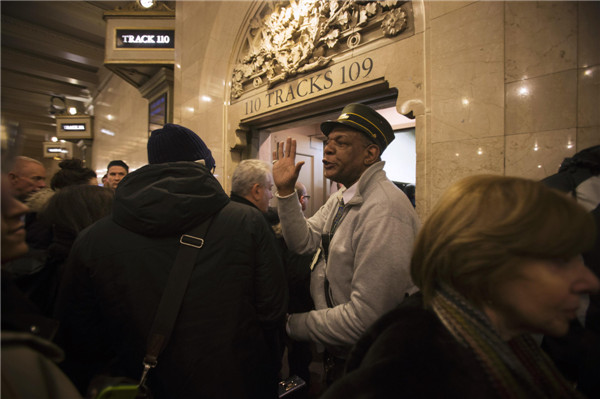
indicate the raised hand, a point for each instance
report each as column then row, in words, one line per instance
column 285, row 169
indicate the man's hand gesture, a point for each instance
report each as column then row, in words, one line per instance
column 285, row 169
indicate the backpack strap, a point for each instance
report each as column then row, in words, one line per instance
column 172, row 297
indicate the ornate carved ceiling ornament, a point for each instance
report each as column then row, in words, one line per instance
column 287, row 38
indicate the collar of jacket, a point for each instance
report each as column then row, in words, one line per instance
column 370, row 176
column 241, row 200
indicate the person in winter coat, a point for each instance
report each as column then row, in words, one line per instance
column 223, row 344
column 364, row 234
column 80, row 203
column 498, row 259
column 251, row 184
column 29, row 358
column 68, row 212
column 577, row 354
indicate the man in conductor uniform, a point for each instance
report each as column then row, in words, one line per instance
column 364, row 234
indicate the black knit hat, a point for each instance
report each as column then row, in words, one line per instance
column 174, row 143
column 366, row 120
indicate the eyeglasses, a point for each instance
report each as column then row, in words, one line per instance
column 306, row 196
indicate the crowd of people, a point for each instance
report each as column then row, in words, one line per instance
column 471, row 303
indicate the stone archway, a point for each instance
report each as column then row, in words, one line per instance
column 298, row 59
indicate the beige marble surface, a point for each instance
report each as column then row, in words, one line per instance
column 422, row 145
column 121, row 110
column 588, row 96
column 209, row 29
column 540, row 38
column 538, row 155
column 453, row 160
column 587, row 137
column 589, row 32
column 467, row 73
column 545, row 103
column 406, row 73
column 436, row 8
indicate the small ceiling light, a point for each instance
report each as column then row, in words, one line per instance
column 146, row 3
column 72, row 111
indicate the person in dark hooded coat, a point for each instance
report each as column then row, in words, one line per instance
column 577, row 355
column 223, row 344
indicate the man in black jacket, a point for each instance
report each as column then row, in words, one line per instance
column 251, row 184
column 224, row 341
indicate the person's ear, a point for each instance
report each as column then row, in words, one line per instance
column 12, row 177
column 372, row 154
column 255, row 192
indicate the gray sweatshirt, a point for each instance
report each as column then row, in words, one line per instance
column 368, row 267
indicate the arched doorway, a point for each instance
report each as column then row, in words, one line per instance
column 400, row 156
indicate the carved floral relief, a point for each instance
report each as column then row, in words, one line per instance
column 287, row 38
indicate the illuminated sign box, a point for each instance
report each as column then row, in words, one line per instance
column 139, row 41
column 145, row 38
column 62, row 150
column 74, row 127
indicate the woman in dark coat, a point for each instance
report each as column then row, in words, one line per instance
column 497, row 260
column 68, row 212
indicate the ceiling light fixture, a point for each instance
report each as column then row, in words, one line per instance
column 146, row 3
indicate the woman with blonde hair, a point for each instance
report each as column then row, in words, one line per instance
column 497, row 259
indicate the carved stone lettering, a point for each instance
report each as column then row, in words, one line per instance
column 350, row 72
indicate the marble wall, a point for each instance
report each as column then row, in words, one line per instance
column 120, row 126
column 206, row 32
column 512, row 89
column 506, row 88
column 464, row 124
column 550, row 89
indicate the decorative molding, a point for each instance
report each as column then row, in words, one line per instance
column 160, row 82
column 241, row 139
column 287, row 38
